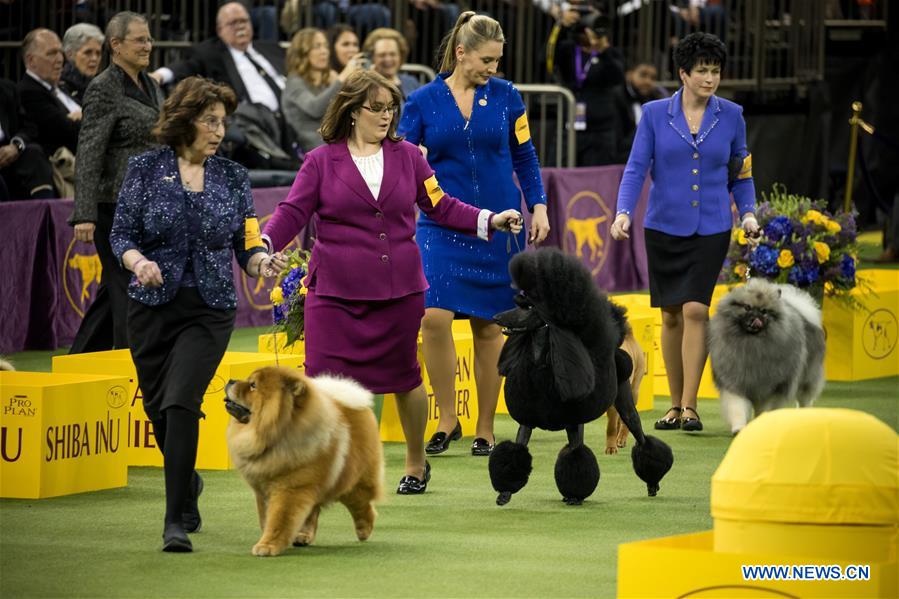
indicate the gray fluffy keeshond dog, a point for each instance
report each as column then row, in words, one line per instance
column 766, row 344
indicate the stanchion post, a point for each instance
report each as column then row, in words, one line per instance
column 853, row 148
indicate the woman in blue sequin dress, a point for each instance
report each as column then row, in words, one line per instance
column 476, row 134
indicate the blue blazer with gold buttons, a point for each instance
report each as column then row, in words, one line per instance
column 171, row 226
column 692, row 179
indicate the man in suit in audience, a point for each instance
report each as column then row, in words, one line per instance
column 57, row 116
column 639, row 87
column 25, row 172
column 255, row 71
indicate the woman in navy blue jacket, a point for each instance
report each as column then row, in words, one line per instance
column 182, row 214
column 694, row 145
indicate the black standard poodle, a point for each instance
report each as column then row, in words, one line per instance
column 564, row 368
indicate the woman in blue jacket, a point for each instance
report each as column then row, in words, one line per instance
column 694, row 145
column 476, row 133
column 182, row 214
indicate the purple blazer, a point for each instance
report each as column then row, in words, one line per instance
column 365, row 247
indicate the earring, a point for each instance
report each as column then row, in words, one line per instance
column 353, row 123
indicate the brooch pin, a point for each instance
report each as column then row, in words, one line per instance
column 169, row 179
column 483, row 101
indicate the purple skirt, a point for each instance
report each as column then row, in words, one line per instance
column 373, row 342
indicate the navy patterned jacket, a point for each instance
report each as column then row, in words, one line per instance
column 168, row 225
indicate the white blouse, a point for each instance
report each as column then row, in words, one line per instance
column 372, row 170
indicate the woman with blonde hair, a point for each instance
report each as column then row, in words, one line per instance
column 388, row 50
column 311, row 85
column 365, row 286
column 476, row 132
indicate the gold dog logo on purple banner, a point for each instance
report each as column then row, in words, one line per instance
column 587, row 220
column 81, row 271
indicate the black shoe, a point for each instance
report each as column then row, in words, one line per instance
column 667, row 424
column 411, row 485
column 440, row 441
column 481, row 447
column 174, row 539
column 190, row 518
column 689, row 423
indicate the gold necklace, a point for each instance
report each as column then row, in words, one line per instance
column 185, row 181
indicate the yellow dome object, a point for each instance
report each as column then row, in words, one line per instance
column 810, row 481
column 810, row 465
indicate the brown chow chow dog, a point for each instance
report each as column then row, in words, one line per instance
column 616, row 431
column 302, row 443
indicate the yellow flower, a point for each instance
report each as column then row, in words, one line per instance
column 303, row 290
column 823, row 251
column 740, row 270
column 828, row 288
column 833, row 226
column 741, row 236
column 785, row 260
column 277, row 296
column 812, row 216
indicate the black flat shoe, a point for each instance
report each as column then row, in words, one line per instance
column 667, row 424
column 174, row 539
column 440, row 441
column 481, row 447
column 190, row 518
column 689, row 423
column 411, row 485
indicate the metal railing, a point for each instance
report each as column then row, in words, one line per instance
column 771, row 43
column 550, row 111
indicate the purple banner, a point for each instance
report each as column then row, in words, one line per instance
column 49, row 279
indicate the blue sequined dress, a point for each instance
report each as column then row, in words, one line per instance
column 474, row 161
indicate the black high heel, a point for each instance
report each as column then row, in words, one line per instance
column 440, row 441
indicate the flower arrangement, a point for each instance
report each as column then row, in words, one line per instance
column 289, row 296
column 801, row 243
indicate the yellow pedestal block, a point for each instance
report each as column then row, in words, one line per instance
column 644, row 571
column 62, row 433
column 212, row 452
column 862, row 344
column 798, row 488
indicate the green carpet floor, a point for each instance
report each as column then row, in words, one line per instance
column 453, row 541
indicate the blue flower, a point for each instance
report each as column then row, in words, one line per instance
column 804, row 273
column 279, row 313
column 847, row 268
column 779, row 228
column 764, row 260
column 292, row 281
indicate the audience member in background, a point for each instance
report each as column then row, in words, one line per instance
column 362, row 16
column 344, row 45
column 56, row 114
column 640, row 86
column 589, row 66
column 25, row 172
column 311, row 85
column 255, row 71
column 83, row 46
column 182, row 300
column 120, row 109
column 476, row 132
column 694, row 147
column 366, row 285
column 388, row 50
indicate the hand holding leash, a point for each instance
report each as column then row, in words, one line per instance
column 508, row 220
column 147, row 272
column 751, row 228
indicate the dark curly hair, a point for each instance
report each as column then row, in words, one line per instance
column 190, row 98
column 700, row 48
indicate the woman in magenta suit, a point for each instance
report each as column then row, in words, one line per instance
column 366, row 284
